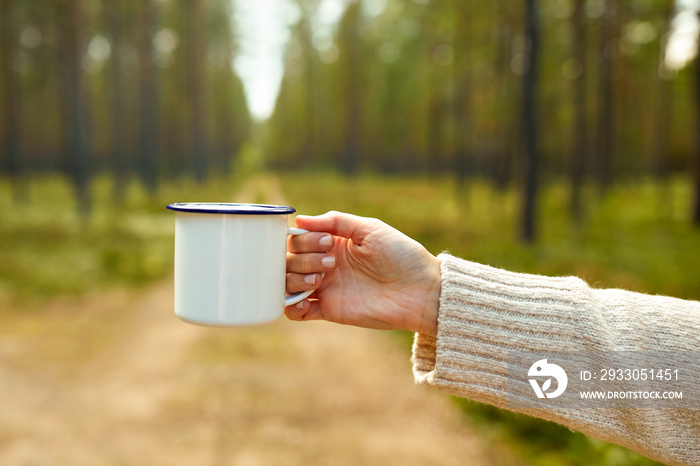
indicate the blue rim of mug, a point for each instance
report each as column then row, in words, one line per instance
column 230, row 208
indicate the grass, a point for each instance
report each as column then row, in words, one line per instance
column 625, row 242
column 48, row 250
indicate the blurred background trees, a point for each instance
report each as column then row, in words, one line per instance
column 135, row 89
column 603, row 96
column 598, row 92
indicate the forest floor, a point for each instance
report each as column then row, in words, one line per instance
column 113, row 378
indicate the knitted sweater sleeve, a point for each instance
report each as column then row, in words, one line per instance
column 485, row 312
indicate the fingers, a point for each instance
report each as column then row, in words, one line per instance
column 305, row 310
column 310, row 263
column 339, row 224
column 307, row 260
column 302, row 282
column 309, row 255
column 310, row 242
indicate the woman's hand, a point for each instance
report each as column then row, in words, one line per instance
column 376, row 277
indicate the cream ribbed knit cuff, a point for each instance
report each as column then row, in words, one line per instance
column 485, row 312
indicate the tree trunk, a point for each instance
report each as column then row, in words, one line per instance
column 114, row 21
column 530, row 124
column 75, row 92
column 198, row 79
column 606, row 102
column 663, row 124
column 310, row 151
column 436, row 135
column 148, row 99
column 12, row 98
column 579, row 152
column 461, row 102
column 696, row 168
column 350, row 48
column 508, row 146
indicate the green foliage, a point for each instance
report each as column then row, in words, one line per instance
column 625, row 242
column 537, row 442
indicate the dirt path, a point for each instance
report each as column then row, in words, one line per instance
column 116, row 379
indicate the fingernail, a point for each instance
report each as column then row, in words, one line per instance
column 328, row 261
column 310, row 279
column 300, row 305
column 326, row 241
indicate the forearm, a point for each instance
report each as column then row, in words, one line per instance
column 486, row 312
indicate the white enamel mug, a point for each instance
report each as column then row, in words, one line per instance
column 230, row 263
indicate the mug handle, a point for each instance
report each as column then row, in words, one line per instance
column 302, row 295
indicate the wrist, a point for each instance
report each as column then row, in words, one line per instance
column 429, row 319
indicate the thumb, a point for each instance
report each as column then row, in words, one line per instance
column 337, row 224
